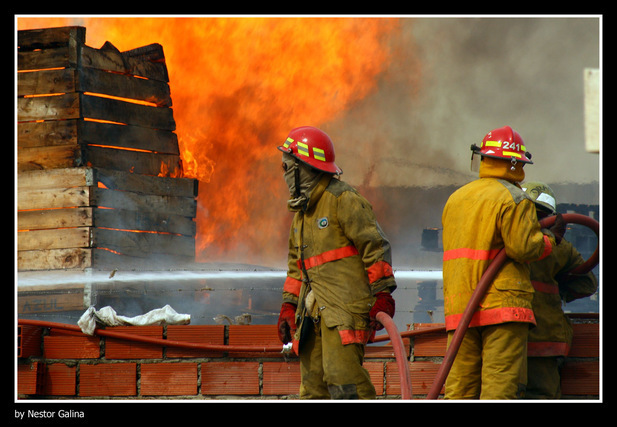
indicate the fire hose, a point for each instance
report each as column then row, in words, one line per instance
column 484, row 283
column 399, row 352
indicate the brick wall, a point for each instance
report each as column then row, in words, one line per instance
column 73, row 365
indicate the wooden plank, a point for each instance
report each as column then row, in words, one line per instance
column 45, row 134
column 46, row 82
column 55, row 218
column 144, row 184
column 61, row 57
column 54, row 239
column 48, row 299
column 141, row 244
column 56, row 107
column 98, row 108
column 163, row 204
column 37, row 158
column 48, row 198
column 55, row 179
column 147, row 61
column 54, row 259
column 107, row 260
column 145, row 221
column 109, row 134
column 131, row 161
column 42, row 38
column 123, row 86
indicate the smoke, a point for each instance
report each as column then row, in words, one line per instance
column 453, row 80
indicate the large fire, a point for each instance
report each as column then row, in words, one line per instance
column 238, row 86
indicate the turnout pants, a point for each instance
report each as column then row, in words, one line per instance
column 544, row 377
column 491, row 363
column 331, row 370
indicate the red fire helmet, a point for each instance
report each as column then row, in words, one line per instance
column 503, row 143
column 313, row 147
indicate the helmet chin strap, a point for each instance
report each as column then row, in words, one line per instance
column 297, row 177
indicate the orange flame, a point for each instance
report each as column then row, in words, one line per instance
column 238, row 86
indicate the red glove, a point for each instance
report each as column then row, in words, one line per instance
column 384, row 303
column 287, row 322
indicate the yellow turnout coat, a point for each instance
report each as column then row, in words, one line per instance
column 479, row 219
column 337, row 242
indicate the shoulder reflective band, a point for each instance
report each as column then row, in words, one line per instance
column 332, row 255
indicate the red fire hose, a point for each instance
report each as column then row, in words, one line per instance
column 485, row 282
column 399, row 352
column 152, row 340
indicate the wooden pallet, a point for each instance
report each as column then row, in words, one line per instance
column 99, row 167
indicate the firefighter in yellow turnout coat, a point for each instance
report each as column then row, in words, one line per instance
column 549, row 342
column 339, row 272
column 479, row 219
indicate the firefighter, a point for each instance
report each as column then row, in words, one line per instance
column 549, row 342
column 339, row 272
column 479, row 219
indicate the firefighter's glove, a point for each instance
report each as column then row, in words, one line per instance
column 558, row 228
column 384, row 303
column 287, row 322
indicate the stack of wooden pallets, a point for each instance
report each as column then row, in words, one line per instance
column 99, row 172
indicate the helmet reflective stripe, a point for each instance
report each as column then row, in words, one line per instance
column 511, row 153
column 303, row 149
column 319, row 154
